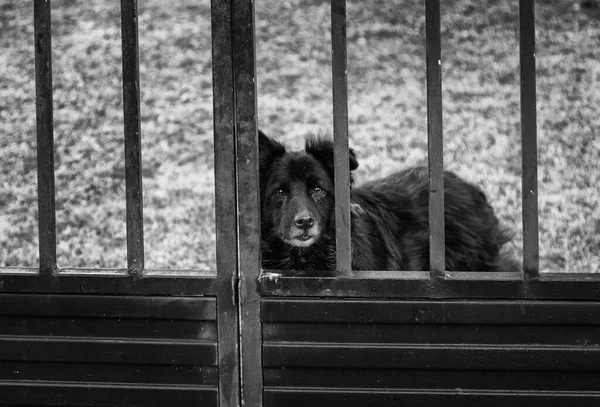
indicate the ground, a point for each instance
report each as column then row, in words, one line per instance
column 387, row 111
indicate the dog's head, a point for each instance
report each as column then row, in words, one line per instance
column 297, row 189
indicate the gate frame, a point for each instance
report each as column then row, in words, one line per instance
column 257, row 285
column 222, row 284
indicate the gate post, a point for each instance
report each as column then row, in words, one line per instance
column 248, row 200
column 225, row 203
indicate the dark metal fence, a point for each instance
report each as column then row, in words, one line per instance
column 438, row 282
column 245, row 126
column 385, row 338
column 381, row 338
column 138, row 337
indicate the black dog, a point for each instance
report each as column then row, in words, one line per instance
column 389, row 222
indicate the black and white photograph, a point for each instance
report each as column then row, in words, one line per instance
column 299, row 203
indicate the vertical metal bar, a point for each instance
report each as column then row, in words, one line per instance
column 248, row 201
column 45, row 136
column 437, row 256
column 340, row 134
column 225, row 203
column 529, row 139
column 133, row 155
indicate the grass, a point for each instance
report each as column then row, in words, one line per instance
column 387, row 112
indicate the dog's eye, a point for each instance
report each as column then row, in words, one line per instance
column 318, row 190
column 280, row 192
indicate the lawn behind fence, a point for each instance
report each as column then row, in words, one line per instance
column 387, row 111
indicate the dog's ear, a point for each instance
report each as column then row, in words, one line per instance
column 268, row 150
column 353, row 160
column 322, row 150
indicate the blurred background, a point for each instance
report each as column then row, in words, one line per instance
column 387, row 112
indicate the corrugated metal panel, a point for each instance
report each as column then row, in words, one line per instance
column 363, row 352
column 75, row 350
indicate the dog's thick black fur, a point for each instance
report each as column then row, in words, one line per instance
column 389, row 217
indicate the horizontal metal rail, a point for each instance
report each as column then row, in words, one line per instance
column 111, row 281
column 465, row 285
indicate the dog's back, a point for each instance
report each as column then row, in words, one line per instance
column 474, row 237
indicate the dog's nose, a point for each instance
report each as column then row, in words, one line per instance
column 304, row 222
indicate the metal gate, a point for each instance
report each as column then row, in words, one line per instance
column 132, row 337
column 412, row 338
column 240, row 335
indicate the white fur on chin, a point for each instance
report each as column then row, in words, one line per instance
column 301, row 243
